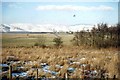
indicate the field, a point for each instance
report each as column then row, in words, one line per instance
column 29, row 40
column 21, row 46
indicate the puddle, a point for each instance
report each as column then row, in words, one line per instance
column 53, row 72
column 45, row 68
column 71, row 70
column 19, row 74
column 4, row 67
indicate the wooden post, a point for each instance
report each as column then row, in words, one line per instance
column 114, row 77
column 66, row 76
column 83, row 73
column 37, row 74
column 10, row 72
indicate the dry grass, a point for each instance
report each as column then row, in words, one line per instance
column 105, row 58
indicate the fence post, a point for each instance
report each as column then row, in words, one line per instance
column 66, row 76
column 10, row 72
column 37, row 74
column 114, row 77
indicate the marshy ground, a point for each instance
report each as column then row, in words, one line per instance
column 77, row 62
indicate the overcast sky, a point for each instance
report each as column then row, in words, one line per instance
column 60, row 12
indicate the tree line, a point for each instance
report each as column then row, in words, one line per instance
column 101, row 36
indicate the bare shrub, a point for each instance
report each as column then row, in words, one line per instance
column 58, row 41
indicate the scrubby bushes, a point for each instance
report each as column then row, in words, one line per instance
column 101, row 36
column 58, row 41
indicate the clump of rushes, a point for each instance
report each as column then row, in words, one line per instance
column 41, row 40
column 58, row 41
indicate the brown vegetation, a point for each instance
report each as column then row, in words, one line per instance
column 98, row 50
column 103, row 58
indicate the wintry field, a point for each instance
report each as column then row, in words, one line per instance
column 60, row 39
column 28, row 40
column 67, row 61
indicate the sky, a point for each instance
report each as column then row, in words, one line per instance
column 60, row 0
column 60, row 12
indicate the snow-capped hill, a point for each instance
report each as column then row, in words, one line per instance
column 42, row 27
column 10, row 28
column 19, row 27
column 4, row 28
column 79, row 27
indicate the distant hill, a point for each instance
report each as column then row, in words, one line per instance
column 9, row 28
column 43, row 27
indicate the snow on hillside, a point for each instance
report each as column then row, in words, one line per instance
column 19, row 27
column 9, row 28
